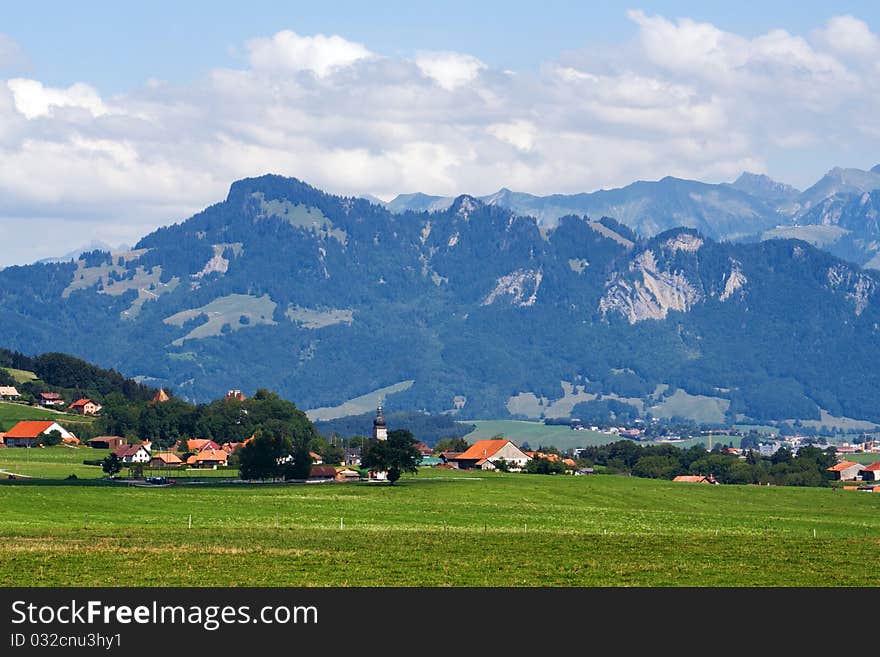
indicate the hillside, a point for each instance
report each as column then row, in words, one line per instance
column 471, row 310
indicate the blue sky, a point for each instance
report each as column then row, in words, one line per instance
column 116, row 118
column 119, row 45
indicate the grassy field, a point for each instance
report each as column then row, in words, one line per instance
column 866, row 458
column 60, row 461
column 21, row 376
column 439, row 528
column 11, row 413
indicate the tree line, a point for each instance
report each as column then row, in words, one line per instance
column 808, row 467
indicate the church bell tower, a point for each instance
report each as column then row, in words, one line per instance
column 380, row 431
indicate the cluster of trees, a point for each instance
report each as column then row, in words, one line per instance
column 807, row 468
column 73, row 378
column 223, row 420
column 283, row 453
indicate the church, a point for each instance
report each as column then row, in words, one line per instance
column 380, row 432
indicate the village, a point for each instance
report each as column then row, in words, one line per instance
column 152, row 464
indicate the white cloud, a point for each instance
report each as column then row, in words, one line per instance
column 849, row 35
column 683, row 98
column 322, row 55
column 705, row 51
column 519, row 134
column 449, row 69
column 34, row 100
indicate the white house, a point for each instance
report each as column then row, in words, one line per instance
column 132, row 454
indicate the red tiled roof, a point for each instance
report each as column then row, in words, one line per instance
column 81, row 402
column 198, row 444
column 167, row 457
column 873, row 467
column 209, row 455
column 29, row 429
column 843, row 465
column 482, row 449
column 322, row 471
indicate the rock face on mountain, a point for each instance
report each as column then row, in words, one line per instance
column 326, row 298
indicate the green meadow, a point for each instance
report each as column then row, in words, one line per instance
column 437, row 528
column 11, row 414
column 60, row 461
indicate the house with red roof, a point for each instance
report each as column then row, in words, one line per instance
column 107, row 442
column 9, row 392
column 51, row 399
column 28, row 432
column 846, row 470
column 198, row 444
column 208, row 458
column 165, row 460
column 483, row 453
column 871, row 472
column 424, row 450
column 322, row 473
column 85, row 407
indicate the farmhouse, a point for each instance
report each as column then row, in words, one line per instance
column 51, row 399
column 208, row 458
column 871, row 472
column 322, row 473
column 107, row 442
column 198, row 444
column 132, row 454
column 9, row 392
column 165, row 460
column 846, row 470
column 483, row 453
column 85, row 407
column 27, row 433
column 347, row 474
column 424, row 450
column 236, row 395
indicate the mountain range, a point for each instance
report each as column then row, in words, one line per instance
column 834, row 213
column 479, row 310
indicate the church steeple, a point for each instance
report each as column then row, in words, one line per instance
column 380, row 431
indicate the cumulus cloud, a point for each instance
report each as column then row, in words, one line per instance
column 519, row 134
column 680, row 97
column 33, row 100
column 319, row 54
column 849, row 35
column 449, row 69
